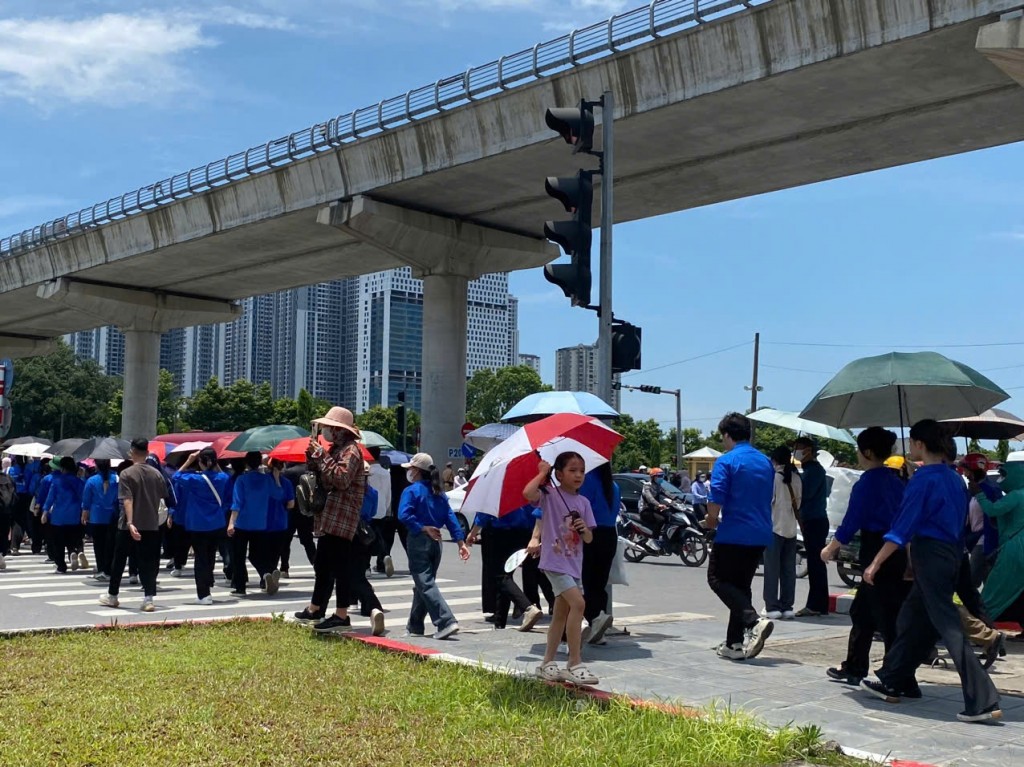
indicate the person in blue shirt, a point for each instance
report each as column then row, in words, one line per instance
column 18, row 516
column 600, row 489
column 500, row 538
column 423, row 509
column 62, row 510
column 40, row 488
column 742, row 485
column 247, row 528
column 874, row 502
column 99, row 515
column 700, row 489
column 931, row 520
column 813, row 524
column 202, row 496
column 279, row 522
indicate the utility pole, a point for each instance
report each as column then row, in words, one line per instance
column 754, row 388
column 605, row 316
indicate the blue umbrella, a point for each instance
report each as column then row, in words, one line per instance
column 547, row 403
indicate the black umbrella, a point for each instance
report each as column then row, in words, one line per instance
column 102, row 448
column 992, row 424
column 24, row 441
column 66, row 446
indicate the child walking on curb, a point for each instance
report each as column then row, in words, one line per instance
column 566, row 523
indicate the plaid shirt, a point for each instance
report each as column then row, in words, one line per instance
column 341, row 471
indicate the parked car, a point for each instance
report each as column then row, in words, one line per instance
column 455, row 499
column 631, row 485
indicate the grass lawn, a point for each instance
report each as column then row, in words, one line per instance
column 272, row 694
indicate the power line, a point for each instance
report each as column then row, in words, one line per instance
column 645, row 371
column 896, row 346
column 800, row 370
column 1005, row 367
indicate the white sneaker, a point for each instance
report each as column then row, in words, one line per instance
column 101, row 578
column 730, row 652
column 83, row 561
column 789, row 615
column 133, row 580
column 273, row 581
column 772, row 615
column 447, row 631
column 74, row 562
column 598, row 627
column 207, row 600
column 389, row 566
column 377, row 622
column 147, row 605
column 530, row 618
column 176, row 572
column 757, row 636
column 109, row 600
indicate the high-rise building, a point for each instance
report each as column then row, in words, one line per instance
column 531, row 361
column 105, row 345
column 513, row 329
column 576, row 370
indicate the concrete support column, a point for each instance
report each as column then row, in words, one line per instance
column 445, row 324
column 141, row 382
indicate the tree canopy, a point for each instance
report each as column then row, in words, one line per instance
column 492, row 393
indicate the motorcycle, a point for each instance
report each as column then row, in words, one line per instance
column 682, row 534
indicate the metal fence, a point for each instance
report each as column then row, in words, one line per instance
column 596, row 41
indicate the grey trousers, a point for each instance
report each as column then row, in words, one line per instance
column 780, row 574
column 929, row 613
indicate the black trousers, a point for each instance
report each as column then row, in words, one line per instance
column 147, row 555
column 815, row 532
column 66, row 538
column 503, row 543
column 929, row 613
column 490, row 571
column 178, row 543
column 279, row 543
column 968, row 592
column 6, row 520
column 598, row 556
column 386, row 529
column 731, row 569
column 24, row 519
column 204, row 547
column 333, row 571
column 103, row 537
column 303, row 525
column 258, row 547
column 362, row 589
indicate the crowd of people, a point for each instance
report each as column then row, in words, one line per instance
column 925, row 532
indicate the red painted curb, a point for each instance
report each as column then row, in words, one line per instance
column 392, row 645
column 904, row 763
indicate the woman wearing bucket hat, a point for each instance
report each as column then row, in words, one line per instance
column 424, row 509
column 339, row 469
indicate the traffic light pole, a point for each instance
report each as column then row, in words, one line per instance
column 678, row 394
column 604, row 315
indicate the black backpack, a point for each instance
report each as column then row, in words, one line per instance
column 310, row 494
column 8, row 493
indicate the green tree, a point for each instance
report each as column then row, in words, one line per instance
column 692, row 440
column 1002, row 450
column 381, row 420
column 234, row 408
column 975, row 447
column 168, row 408
column 642, row 443
column 59, row 395
column 492, row 393
column 768, row 437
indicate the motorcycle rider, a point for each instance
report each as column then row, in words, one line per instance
column 654, row 507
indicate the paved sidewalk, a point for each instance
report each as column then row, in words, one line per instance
column 673, row 661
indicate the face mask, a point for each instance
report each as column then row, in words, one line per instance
column 798, row 455
column 328, row 434
column 410, row 476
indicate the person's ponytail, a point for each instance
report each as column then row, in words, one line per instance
column 103, row 469
column 433, row 475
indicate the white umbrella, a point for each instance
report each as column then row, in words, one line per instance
column 190, row 447
column 28, row 450
column 493, row 434
column 794, row 422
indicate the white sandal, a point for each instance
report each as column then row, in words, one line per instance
column 549, row 672
column 579, row 675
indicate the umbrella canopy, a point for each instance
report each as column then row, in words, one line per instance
column 294, row 450
column 186, row 448
column 66, row 446
column 373, row 439
column 794, row 422
column 497, row 484
column 992, row 424
column 99, row 448
column 25, row 441
column 220, row 447
column 28, row 449
column 159, row 448
column 902, row 388
column 396, row 457
column 545, row 403
column 265, row 438
column 490, row 436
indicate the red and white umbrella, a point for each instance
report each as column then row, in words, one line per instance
column 497, row 484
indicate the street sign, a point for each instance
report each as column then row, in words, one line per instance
column 6, row 377
column 467, row 427
column 455, row 452
column 5, row 416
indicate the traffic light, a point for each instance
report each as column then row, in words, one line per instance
column 575, row 237
column 400, row 418
column 626, row 342
column 616, row 385
column 575, row 125
column 650, row 389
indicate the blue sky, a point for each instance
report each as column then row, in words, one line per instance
column 103, row 96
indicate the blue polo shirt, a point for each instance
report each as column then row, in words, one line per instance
column 277, row 513
column 419, row 507
column 813, row 491
column 743, row 483
column 198, row 509
column 605, row 515
column 251, row 499
column 874, row 503
column 934, row 506
column 102, row 506
column 64, row 501
column 521, row 518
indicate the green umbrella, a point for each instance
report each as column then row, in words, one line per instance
column 373, row 439
column 265, row 438
column 793, row 422
column 902, row 388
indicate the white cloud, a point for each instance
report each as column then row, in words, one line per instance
column 1016, row 235
column 18, row 205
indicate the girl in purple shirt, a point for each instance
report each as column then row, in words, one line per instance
column 566, row 524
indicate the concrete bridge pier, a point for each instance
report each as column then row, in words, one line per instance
column 14, row 346
column 1002, row 43
column 446, row 254
column 142, row 315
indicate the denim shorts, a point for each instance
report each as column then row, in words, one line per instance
column 561, row 582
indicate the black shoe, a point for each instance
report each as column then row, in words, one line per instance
column 911, row 691
column 490, row 618
column 840, row 674
column 880, row 690
column 989, row 714
column 305, row 616
column 333, row 625
column 991, row 652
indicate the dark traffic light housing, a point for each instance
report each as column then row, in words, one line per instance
column 575, row 237
column 650, row 389
column 575, row 125
column 626, row 343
